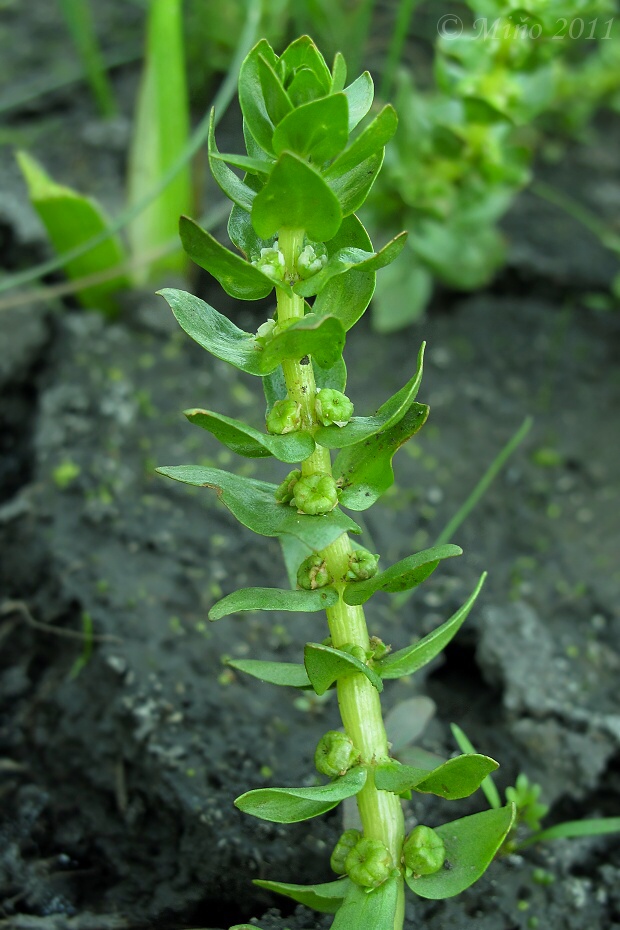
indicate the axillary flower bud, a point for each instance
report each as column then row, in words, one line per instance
column 271, row 262
column 315, row 494
column 264, row 333
column 369, row 863
column 343, row 847
column 333, row 407
column 284, row 417
column 284, row 491
column 311, row 259
column 362, row 565
column 424, row 851
column 335, row 754
column 312, row 573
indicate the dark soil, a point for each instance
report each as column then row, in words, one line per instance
column 121, row 753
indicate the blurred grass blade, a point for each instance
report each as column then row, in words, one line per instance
column 161, row 132
column 70, row 219
column 197, row 140
column 397, row 43
column 488, row 785
column 478, row 492
column 572, row 828
column 79, row 20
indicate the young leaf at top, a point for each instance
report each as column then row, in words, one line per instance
column 316, row 131
column 406, row 574
column 339, row 73
column 322, row 337
column 325, row 898
column 368, row 910
column 302, row 53
column 408, row 660
column 297, row 196
column 358, row 429
column 351, row 259
column 253, row 503
column 238, row 277
column 471, row 844
column 324, row 665
column 360, row 95
column 288, row 674
column 456, row 778
column 244, row 440
column 291, row 805
column 273, row 599
column 234, row 188
column 347, row 295
column 251, row 95
column 364, row 471
column 277, row 101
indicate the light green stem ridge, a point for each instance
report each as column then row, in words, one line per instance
column 360, row 706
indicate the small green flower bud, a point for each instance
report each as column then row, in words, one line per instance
column 312, row 573
column 333, row 407
column 264, row 333
column 358, row 652
column 362, row 565
column 284, row 492
column 311, row 259
column 284, row 417
column 379, row 649
column 335, row 754
column 271, row 262
column 343, row 847
column 424, row 851
column 369, row 863
column 316, row 494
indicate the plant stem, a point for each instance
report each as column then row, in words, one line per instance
column 360, row 706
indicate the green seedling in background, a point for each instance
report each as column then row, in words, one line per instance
column 161, row 133
column 313, row 154
column 526, row 829
column 79, row 20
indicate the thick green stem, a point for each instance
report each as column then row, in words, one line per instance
column 360, row 707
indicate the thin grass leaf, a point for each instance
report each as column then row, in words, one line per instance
column 488, row 785
column 79, row 20
column 597, row 826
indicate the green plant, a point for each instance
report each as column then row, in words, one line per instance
column 465, row 147
column 526, row 829
column 293, row 220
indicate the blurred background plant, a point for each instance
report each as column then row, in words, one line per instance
column 481, row 87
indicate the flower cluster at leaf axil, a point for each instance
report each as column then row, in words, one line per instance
column 313, row 152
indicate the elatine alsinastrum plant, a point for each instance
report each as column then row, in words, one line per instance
column 307, row 169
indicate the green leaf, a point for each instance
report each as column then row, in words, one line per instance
column 160, row 135
column 368, row 910
column 364, row 471
column 409, row 660
column 303, row 53
column 250, row 165
column 236, row 275
column 352, row 188
column 359, row 429
column 277, row 101
column 297, row 196
column 324, row 665
column 304, row 87
column 274, row 599
column 369, row 142
column 71, row 219
column 597, row 826
column 291, row 805
column 456, row 778
column 243, row 235
column 488, row 785
column 334, row 377
column 214, row 331
column 347, row 295
column 253, row 503
column 402, row 295
column 234, row 188
column 316, row 131
column 244, row 440
column 471, row 843
column 408, row 573
column 339, row 73
column 322, row 337
column 325, row 898
column 289, row 674
column 274, row 387
column 360, row 95
column 251, row 95
column 345, row 259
